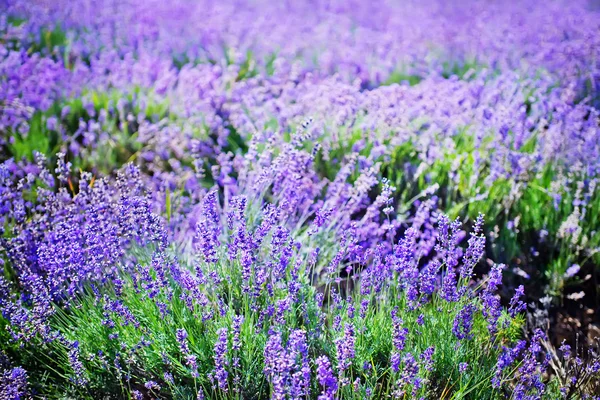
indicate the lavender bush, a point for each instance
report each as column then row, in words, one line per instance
column 310, row 200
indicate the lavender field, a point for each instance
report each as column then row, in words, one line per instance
column 304, row 199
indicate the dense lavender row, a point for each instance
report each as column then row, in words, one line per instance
column 262, row 200
column 364, row 40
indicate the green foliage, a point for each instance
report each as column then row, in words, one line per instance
column 36, row 139
column 399, row 77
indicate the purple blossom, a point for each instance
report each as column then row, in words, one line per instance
column 449, row 235
column 13, row 384
column 516, row 304
column 530, row 384
column 190, row 359
column 491, row 303
column 572, row 271
column 427, row 358
column 80, row 378
column 399, row 333
column 274, row 352
column 565, row 349
column 168, row 378
column 364, row 306
column 326, row 378
column 409, row 374
column 137, row 395
column 208, row 229
column 505, row 360
column 220, row 373
column 428, row 277
column 182, row 336
column 475, row 250
column 236, row 344
column 463, row 322
column 345, row 349
column 287, row 368
column 151, row 385
column 395, row 361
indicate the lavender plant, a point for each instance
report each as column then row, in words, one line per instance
column 246, row 306
column 190, row 208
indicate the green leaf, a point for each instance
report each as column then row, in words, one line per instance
column 35, row 140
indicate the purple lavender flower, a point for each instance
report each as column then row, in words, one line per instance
column 168, row 378
column 137, row 395
column 428, row 277
column 345, row 349
column 516, row 304
column 399, row 333
column 572, row 271
column 409, row 374
column 364, row 306
column 152, row 385
column 287, row 369
column 474, row 251
column 80, row 377
column 491, row 303
column 395, row 360
column 505, row 360
column 449, row 235
column 273, row 354
column 326, row 378
column 406, row 265
column 13, row 384
column 62, row 169
column 208, row 229
column 530, row 383
column 367, row 366
column 449, row 292
column 565, row 349
column 238, row 320
column 220, row 373
column 181, row 336
column 427, row 358
column 190, row 359
column 301, row 377
column 351, row 308
column 463, row 322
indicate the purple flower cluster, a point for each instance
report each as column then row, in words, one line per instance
column 491, row 302
column 385, row 35
column 207, row 232
column 530, row 384
column 69, row 240
column 287, row 367
column 220, row 374
column 326, row 378
column 345, row 349
column 574, row 374
column 13, row 384
column 289, row 183
column 190, row 359
column 80, row 378
column 463, row 322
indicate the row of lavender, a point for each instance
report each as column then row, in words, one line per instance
column 286, row 214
